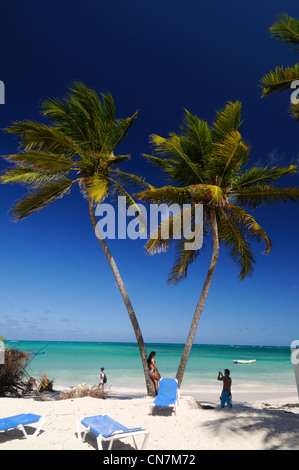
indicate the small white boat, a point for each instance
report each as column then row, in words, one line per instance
column 240, row 361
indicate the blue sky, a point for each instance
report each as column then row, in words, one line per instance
column 158, row 57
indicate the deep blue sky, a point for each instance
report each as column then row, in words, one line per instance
column 158, row 57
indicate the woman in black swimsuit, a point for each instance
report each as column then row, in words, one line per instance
column 154, row 373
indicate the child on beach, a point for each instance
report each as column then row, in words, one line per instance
column 103, row 379
column 226, row 396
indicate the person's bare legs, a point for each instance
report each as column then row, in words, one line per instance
column 155, row 376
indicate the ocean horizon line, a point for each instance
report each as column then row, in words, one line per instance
column 146, row 343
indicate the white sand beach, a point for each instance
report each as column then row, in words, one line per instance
column 261, row 422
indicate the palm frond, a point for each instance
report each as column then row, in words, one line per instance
column 43, row 161
column 294, row 111
column 166, row 194
column 228, row 157
column 91, row 130
column 60, row 114
column 37, row 136
column 196, row 138
column 265, row 175
column 158, row 243
column 40, row 198
column 234, row 240
column 166, row 164
column 279, row 80
column 250, row 225
column 259, row 194
column 178, row 226
column 130, row 179
column 171, row 147
column 108, row 107
column 28, row 176
column 170, row 228
column 286, row 29
column 113, row 160
column 182, row 261
column 88, row 119
column 227, row 120
column 130, row 202
column 120, row 130
column 80, row 116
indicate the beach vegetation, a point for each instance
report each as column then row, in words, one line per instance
column 80, row 391
column 13, row 375
column 209, row 165
column 75, row 147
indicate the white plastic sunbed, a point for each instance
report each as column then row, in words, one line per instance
column 19, row 421
column 168, row 395
column 106, row 429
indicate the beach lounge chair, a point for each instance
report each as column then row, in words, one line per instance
column 19, row 421
column 168, row 395
column 106, row 429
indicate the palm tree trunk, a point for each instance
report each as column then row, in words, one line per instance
column 202, row 300
column 149, row 383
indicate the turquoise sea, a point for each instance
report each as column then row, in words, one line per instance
column 71, row 363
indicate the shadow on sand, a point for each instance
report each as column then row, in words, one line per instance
column 275, row 428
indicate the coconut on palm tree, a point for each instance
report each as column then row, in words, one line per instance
column 77, row 147
column 208, row 165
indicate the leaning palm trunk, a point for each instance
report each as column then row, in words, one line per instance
column 201, row 302
column 209, row 165
column 76, row 147
column 149, row 384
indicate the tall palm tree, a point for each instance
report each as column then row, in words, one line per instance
column 76, row 147
column 285, row 29
column 208, row 165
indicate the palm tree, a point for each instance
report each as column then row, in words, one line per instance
column 76, row 147
column 208, row 165
column 285, row 29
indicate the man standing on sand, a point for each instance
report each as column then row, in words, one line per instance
column 226, row 395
